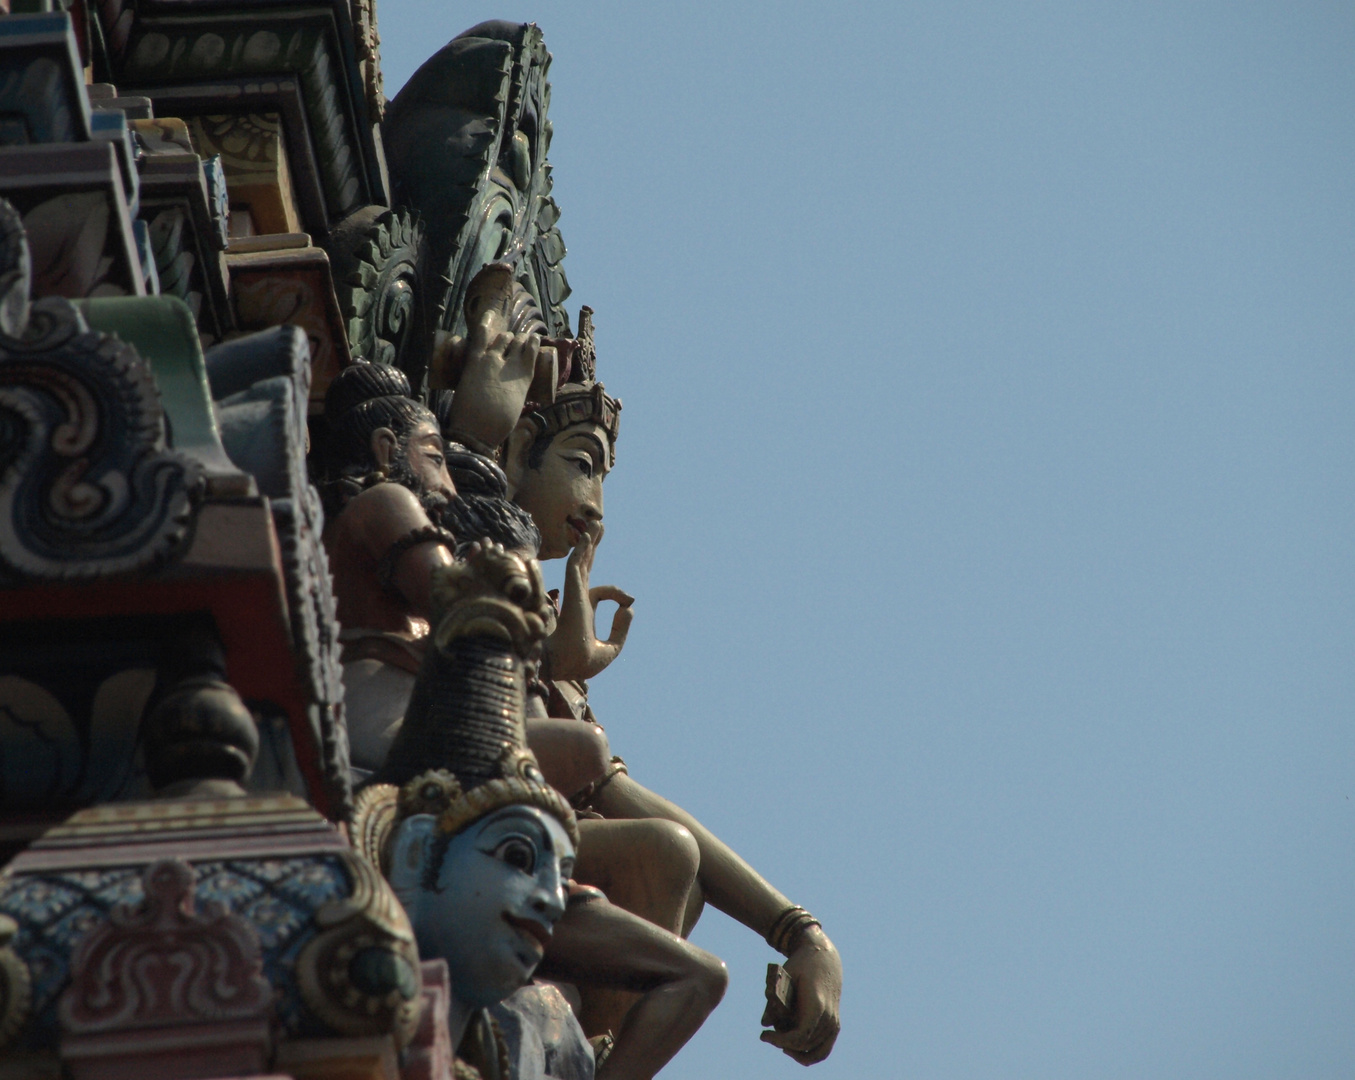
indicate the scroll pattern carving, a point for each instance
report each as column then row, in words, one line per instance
column 87, row 487
column 376, row 259
column 161, row 962
column 360, row 974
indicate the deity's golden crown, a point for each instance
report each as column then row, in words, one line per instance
column 481, row 763
column 438, row 792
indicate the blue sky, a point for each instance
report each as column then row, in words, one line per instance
column 985, row 483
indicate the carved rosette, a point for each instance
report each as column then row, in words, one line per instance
column 161, row 963
column 87, row 486
column 16, row 985
column 360, row 974
column 376, row 257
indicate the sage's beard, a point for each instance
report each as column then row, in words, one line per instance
column 399, row 470
column 434, row 503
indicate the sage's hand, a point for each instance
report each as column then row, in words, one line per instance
column 815, row 970
column 575, row 651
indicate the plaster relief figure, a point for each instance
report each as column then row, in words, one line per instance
column 388, row 483
column 597, row 945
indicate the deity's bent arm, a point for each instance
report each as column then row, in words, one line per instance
column 734, row 887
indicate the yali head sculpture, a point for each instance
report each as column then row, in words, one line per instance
column 473, row 840
column 558, row 455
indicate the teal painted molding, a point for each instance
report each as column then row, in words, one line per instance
column 162, row 330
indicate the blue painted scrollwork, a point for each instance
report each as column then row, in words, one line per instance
column 87, row 485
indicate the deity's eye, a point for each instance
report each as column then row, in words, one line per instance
column 566, row 868
column 585, row 464
column 517, row 853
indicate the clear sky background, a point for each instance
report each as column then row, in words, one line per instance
column 985, row 482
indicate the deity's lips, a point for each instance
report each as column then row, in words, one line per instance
column 530, row 927
column 578, row 526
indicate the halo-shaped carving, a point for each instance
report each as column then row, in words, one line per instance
column 467, row 141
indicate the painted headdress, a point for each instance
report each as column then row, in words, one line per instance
column 579, row 397
column 462, row 750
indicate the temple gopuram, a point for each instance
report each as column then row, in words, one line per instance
column 298, row 771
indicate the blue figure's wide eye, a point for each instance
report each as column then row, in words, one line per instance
column 518, row 853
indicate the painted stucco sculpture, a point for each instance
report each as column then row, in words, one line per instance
column 477, row 845
column 556, row 461
column 290, row 404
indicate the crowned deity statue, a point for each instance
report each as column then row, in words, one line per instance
column 556, row 460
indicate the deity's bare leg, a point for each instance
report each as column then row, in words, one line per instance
column 572, row 753
column 646, row 867
column 599, row 946
column 734, row 887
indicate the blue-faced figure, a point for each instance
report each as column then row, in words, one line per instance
column 485, row 900
column 478, row 847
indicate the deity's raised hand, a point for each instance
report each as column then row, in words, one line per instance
column 494, row 370
column 575, row 651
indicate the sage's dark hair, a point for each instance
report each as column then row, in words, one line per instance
column 361, row 399
column 475, row 474
column 489, row 517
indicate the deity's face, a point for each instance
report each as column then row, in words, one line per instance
column 419, row 460
column 500, row 892
column 564, row 493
